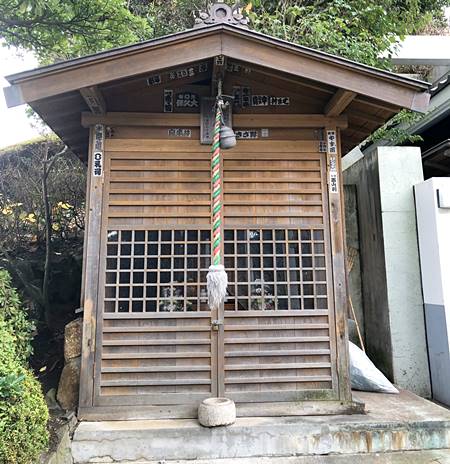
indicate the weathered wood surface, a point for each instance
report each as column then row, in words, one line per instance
column 284, row 350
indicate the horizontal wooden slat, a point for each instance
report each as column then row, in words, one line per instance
column 269, row 367
column 274, row 180
column 272, row 156
column 156, row 355
column 252, row 354
column 145, row 214
column 157, row 315
column 168, row 341
column 302, row 313
column 273, row 168
column 160, row 190
column 149, row 180
column 160, row 203
column 149, row 167
column 238, row 341
column 272, row 191
column 297, row 379
column 227, row 155
column 144, row 369
column 150, row 383
column 156, row 329
column 272, row 202
column 193, row 146
column 146, row 155
column 275, row 213
column 256, row 327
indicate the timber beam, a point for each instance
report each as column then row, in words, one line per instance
column 94, row 99
column 339, row 102
column 193, row 120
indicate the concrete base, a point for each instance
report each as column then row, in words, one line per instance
column 401, row 457
column 398, row 423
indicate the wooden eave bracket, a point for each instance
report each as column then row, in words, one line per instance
column 94, row 99
column 339, row 102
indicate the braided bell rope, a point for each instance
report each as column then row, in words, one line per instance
column 216, row 189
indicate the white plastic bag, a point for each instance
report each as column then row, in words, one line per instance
column 364, row 375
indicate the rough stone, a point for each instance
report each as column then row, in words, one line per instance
column 63, row 452
column 50, row 399
column 72, row 339
column 69, row 384
column 214, row 412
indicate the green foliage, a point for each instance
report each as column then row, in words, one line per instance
column 23, row 412
column 360, row 31
column 395, row 130
column 167, row 16
column 62, row 29
column 11, row 387
column 15, row 318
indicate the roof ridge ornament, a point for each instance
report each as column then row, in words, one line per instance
column 221, row 13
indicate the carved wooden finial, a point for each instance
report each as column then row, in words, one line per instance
column 221, row 13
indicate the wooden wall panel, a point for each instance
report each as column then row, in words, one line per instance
column 279, row 338
column 277, row 343
column 157, row 181
column 274, row 182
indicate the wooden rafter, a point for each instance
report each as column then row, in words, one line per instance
column 339, row 102
column 94, row 99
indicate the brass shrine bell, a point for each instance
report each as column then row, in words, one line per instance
column 227, row 138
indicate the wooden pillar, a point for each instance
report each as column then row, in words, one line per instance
column 338, row 253
column 91, row 263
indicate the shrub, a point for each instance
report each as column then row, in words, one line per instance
column 15, row 317
column 23, row 412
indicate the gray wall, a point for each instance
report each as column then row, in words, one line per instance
column 390, row 270
column 354, row 270
column 365, row 176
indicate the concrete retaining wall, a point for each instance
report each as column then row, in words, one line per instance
column 393, row 303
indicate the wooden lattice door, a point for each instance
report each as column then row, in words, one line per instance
column 155, row 345
column 156, row 342
column 278, row 340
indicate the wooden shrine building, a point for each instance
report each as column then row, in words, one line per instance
column 141, row 118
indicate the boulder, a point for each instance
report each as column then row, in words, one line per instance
column 72, row 339
column 69, row 384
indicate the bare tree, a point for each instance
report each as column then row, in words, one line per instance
column 41, row 206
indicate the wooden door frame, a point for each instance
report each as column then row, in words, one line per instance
column 339, row 269
column 91, row 269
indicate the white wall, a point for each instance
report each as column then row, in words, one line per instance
column 433, row 224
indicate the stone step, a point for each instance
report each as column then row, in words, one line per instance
column 393, row 423
column 401, row 457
